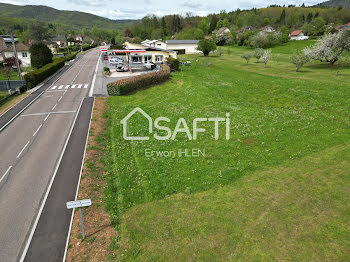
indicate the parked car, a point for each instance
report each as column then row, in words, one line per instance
column 120, row 67
column 116, row 60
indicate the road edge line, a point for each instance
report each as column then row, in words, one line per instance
column 94, row 79
column 77, row 191
column 29, row 239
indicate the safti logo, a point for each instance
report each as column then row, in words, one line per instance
column 181, row 127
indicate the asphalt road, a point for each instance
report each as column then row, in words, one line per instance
column 32, row 148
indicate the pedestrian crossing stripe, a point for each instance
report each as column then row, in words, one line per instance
column 71, row 86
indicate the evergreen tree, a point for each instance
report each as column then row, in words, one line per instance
column 40, row 55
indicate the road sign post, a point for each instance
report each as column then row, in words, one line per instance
column 79, row 204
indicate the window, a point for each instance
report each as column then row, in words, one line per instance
column 136, row 59
column 159, row 58
column 159, row 44
column 148, row 59
column 24, row 54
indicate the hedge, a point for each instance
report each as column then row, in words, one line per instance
column 174, row 63
column 128, row 85
column 37, row 76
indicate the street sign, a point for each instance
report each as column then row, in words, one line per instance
column 104, row 49
column 78, row 203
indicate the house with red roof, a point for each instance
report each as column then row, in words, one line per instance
column 298, row 35
column 22, row 53
column 343, row 27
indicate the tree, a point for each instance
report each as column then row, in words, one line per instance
column 283, row 17
column 38, row 32
column 266, row 57
column 247, row 56
column 40, row 55
column 258, row 53
column 206, row 46
column 113, row 41
column 317, row 27
column 204, row 25
column 330, row 47
column 11, row 62
column 299, row 60
column 213, row 23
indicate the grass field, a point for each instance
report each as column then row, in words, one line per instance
column 277, row 190
column 14, row 76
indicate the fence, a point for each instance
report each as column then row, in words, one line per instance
column 11, row 86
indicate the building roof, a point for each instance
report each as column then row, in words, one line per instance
column 2, row 44
column 59, row 38
column 182, row 41
column 296, row 33
column 343, row 27
column 19, row 47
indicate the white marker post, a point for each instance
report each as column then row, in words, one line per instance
column 79, row 204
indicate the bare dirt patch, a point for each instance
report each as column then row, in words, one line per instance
column 97, row 222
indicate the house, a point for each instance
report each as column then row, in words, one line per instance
column 8, row 40
column 60, row 40
column 223, row 31
column 141, row 54
column 343, row 27
column 155, row 43
column 22, row 53
column 268, row 29
column 183, row 46
column 298, row 35
column 3, row 47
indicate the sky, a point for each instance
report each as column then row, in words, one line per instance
column 136, row 9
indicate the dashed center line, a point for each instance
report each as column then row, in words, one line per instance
column 47, row 117
column 4, row 175
column 37, row 130
column 23, row 149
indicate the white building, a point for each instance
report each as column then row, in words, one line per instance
column 183, row 46
column 155, row 43
column 3, row 47
column 298, row 35
column 22, row 53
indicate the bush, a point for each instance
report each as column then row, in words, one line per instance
column 266, row 57
column 299, row 59
column 35, row 77
column 126, row 86
column 206, row 46
column 1, row 63
column 258, row 53
column 174, row 63
column 40, row 55
column 106, row 69
column 11, row 61
column 246, row 56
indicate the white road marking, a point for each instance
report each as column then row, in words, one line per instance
column 73, row 86
column 54, row 107
column 54, row 87
column 60, row 99
column 46, row 113
column 67, row 86
column 47, row 117
column 4, row 175
column 60, row 87
column 55, row 91
column 86, row 86
column 23, row 149
column 37, row 129
column 94, row 79
column 79, row 86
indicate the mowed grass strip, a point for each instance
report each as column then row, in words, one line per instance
column 278, row 118
column 294, row 212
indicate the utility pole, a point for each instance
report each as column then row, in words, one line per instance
column 16, row 57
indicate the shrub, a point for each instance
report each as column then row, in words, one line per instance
column 126, row 86
column 206, row 46
column 106, row 69
column 258, row 53
column 174, row 63
column 1, row 63
column 299, row 59
column 266, row 57
column 35, row 77
column 40, row 55
column 247, row 56
column 11, row 61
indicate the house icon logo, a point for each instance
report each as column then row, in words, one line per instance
column 124, row 122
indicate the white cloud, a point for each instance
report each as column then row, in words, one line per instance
column 136, row 9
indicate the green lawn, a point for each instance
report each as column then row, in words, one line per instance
column 14, row 76
column 266, row 194
column 3, row 95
